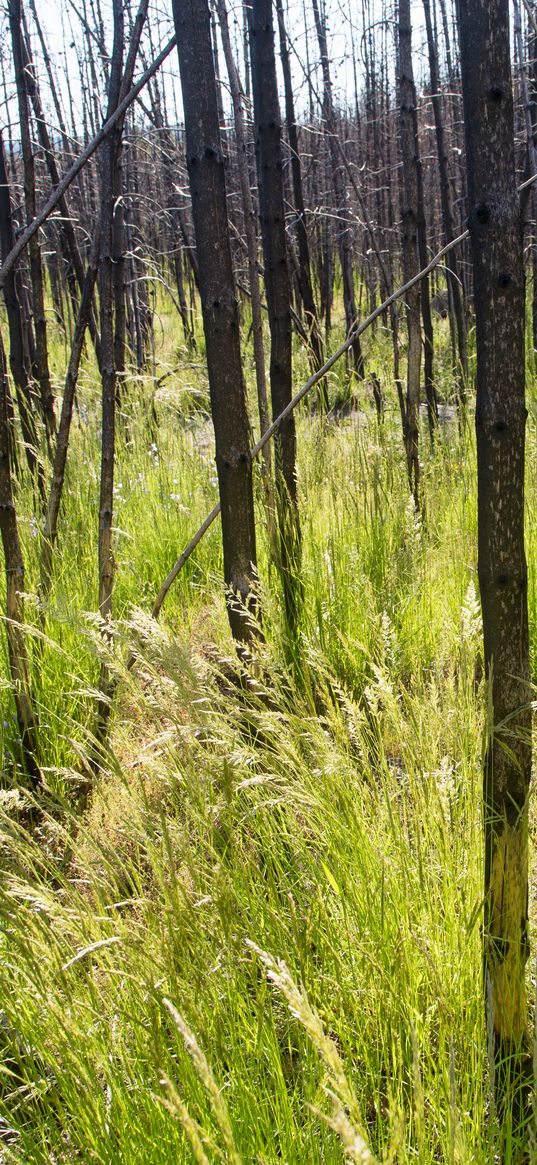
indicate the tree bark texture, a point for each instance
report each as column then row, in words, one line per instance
column 109, row 157
column 71, row 250
column 530, row 141
column 19, row 357
column 409, row 242
column 64, row 428
column 304, row 264
column 454, row 274
column 249, row 230
column 272, row 215
column 14, row 566
column 496, row 237
column 23, row 79
column 206, row 171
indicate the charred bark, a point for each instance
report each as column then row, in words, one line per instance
column 343, row 223
column 454, row 273
column 23, row 80
column 272, row 215
column 496, row 236
column 19, row 664
column 305, row 282
column 206, row 171
column 19, row 357
column 409, row 242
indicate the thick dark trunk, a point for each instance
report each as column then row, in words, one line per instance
column 206, row 171
column 495, row 231
column 251, row 237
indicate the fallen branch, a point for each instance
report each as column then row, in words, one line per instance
column 59, row 191
column 310, row 383
column 313, row 380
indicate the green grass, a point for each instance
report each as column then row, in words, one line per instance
column 261, row 941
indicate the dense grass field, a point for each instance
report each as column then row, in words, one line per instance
column 260, row 940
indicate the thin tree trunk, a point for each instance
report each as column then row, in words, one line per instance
column 64, row 428
column 530, row 143
column 118, row 86
column 119, row 288
column 83, row 158
column 272, row 215
column 109, row 157
column 67, row 142
column 409, row 241
column 425, row 300
column 454, row 274
column 19, row 664
column 532, row 52
column 304, row 265
column 41, row 370
column 19, row 358
column 343, row 227
column 71, row 248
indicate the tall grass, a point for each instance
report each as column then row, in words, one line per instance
column 261, row 940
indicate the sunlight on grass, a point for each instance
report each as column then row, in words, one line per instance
column 261, row 940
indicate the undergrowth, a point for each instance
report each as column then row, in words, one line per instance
column 260, row 942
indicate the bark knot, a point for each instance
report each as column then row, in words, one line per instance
column 496, row 94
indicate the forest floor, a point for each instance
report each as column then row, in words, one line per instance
column 260, row 940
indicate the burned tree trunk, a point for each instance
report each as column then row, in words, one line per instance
column 272, row 214
column 14, row 565
column 530, row 146
column 496, row 237
column 454, row 274
column 41, row 365
column 206, row 171
column 250, row 233
column 71, row 250
column 304, row 265
column 343, row 226
column 64, row 428
column 409, row 239
column 109, row 157
column 19, row 358
column 119, row 84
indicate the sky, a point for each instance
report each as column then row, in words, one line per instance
column 62, row 30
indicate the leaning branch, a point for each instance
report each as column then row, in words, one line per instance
column 59, row 191
column 313, row 380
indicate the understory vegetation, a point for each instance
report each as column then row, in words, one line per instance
column 257, row 938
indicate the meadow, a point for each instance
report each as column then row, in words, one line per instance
column 257, row 937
